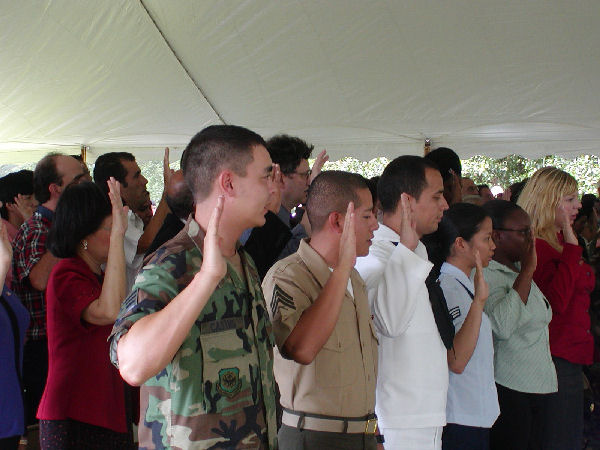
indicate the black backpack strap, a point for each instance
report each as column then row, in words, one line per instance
column 466, row 289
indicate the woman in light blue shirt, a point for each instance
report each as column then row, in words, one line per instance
column 472, row 408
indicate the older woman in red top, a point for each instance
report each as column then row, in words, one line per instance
column 550, row 198
column 83, row 405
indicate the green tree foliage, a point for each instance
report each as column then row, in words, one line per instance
column 510, row 169
column 482, row 169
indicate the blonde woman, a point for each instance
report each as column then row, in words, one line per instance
column 550, row 198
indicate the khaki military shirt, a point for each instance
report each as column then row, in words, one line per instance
column 341, row 379
column 218, row 391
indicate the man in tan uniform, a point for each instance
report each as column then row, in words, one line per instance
column 326, row 357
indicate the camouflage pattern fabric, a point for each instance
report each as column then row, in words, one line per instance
column 218, row 392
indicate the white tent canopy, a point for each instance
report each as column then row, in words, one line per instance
column 360, row 78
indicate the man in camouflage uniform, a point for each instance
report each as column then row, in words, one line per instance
column 195, row 332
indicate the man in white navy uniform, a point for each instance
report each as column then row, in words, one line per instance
column 413, row 373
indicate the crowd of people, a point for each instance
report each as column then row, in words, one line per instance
column 268, row 304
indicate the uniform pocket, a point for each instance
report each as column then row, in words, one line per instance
column 230, row 371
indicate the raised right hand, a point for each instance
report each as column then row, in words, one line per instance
column 25, row 208
column 347, row 252
column 481, row 287
column 213, row 263
column 276, row 180
column 408, row 229
column 529, row 259
column 119, row 212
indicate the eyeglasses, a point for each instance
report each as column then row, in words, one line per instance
column 525, row 231
column 305, row 175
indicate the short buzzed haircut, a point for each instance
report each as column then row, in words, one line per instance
column 44, row 175
column 404, row 174
column 331, row 191
column 213, row 149
column 111, row 165
column 288, row 151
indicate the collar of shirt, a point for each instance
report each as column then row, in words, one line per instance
column 459, row 275
column 197, row 234
column 318, row 267
column 385, row 233
column 45, row 212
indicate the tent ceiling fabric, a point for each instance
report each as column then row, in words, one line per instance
column 360, row 78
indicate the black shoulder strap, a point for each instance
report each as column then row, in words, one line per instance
column 16, row 338
column 466, row 289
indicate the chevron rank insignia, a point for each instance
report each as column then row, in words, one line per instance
column 454, row 312
column 281, row 299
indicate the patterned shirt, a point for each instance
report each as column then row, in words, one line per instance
column 218, row 391
column 29, row 246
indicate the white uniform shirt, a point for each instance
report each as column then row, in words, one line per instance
column 412, row 383
column 472, row 396
column 133, row 261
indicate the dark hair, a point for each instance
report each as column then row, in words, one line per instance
column 111, row 165
column 44, row 175
column 80, row 211
column 13, row 184
column 460, row 220
column 482, row 186
column 445, row 159
column 331, row 191
column 214, row 148
column 181, row 203
column 499, row 210
column 404, row 174
column 516, row 188
column 587, row 206
column 372, row 183
column 288, row 151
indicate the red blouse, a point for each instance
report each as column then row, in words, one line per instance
column 567, row 281
column 82, row 383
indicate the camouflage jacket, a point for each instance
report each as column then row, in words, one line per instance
column 218, row 391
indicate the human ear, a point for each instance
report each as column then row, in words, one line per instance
column 225, row 183
column 460, row 244
column 412, row 202
column 54, row 189
column 336, row 222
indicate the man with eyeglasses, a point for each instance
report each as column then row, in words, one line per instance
column 278, row 238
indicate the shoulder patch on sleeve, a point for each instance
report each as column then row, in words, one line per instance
column 281, row 299
column 454, row 312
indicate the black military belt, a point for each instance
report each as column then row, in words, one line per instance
column 317, row 422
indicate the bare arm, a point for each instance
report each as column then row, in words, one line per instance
column 40, row 272
column 466, row 338
column 104, row 310
column 161, row 212
column 161, row 334
column 318, row 321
